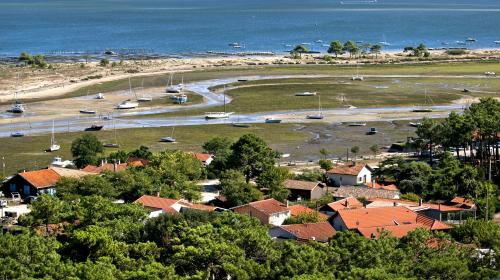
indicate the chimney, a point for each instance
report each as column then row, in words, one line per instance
column 118, row 161
column 373, row 183
column 395, row 203
column 346, row 203
column 114, row 167
column 102, row 162
column 287, row 203
column 420, row 202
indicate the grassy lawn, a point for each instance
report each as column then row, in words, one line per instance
column 279, row 94
column 28, row 152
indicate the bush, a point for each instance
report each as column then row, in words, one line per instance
column 114, row 64
column 410, row 196
column 325, row 164
column 456, row 52
column 104, row 62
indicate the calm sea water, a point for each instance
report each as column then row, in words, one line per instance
column 185, row 26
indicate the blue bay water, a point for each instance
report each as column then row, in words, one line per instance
column 185, row 26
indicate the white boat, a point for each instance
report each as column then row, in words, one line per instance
column 179, row 99
column 87, row 111
column 169, row 139
column 357, row 77
column 372, row 131
column 415, row 124
column 496, row 42
column 175, row 88
column 58, row 162
column 470, row 39
column 17, row 134
column 219, row 115
column 99, row 95
column 127, row 104
column 307, row 93
column 145, row 98
column 53, row 143
column 17, row 107
column 489, row 73
column 357, row 124
column 319, row 116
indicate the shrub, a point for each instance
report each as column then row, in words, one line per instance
column 104, row 62
column 456, row 52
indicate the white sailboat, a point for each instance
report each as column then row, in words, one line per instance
column 175, row 88
column 17, row 107
column 357, row 77
column 426, row 108
column 384, row 42
column 169, row 139
column 53, row 143
column 99, row 95
column 319, row 116
column 219, row 115
column 115, row 144
column 128, row 104
column 144, row 97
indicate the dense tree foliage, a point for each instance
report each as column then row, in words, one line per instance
column 85, row 150
column 236, row 190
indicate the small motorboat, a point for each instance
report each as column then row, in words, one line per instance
column 242, row 80
column 307, row 93
column 127, row 104
column 357, row 124
column 167, row 139
column 271, row 120
column 111, row 145
column 422, row 110
column 465, row 90
column 216, row 115
column 241, row 124
column 179, row 99
column 100, row 95
column 412, row 124
column 145, row 98
column 94, row 127
column 17, row 134
column 315, row 117
column 470, row 39
column 357, row 78
column 489, row 73
column 87, row 111
column 372, row 131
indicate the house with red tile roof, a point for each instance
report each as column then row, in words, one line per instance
column 447, row 213
column 350, row 174
column 160, row 205
column 268, row 211
column 298, row 209
column 205, row 159
column 364, row 192
column 33, row 183
column 374, row 185
column 397, row 220
column 304, row 189
column 462, row 202
column 346, row 203
column 113, row 167
column 320, row 232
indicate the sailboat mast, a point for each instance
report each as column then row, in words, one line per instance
column 224, row 99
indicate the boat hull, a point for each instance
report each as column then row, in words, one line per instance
column 167, row 139
column 94, row 128
column 313, row 117
column 272, row 121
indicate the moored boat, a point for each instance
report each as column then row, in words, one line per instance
column 17, row 134
column 127, row 104
column 271, row 120
column 307, row 93
column 87, row 111
column 357, row 124
column 94, row 127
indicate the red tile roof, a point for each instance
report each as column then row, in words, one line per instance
column 106, row 167
column 267, row 206
column 349, row 169
column 157, row 203
column 202, row 157
column 314, row 231
column 390, row 187
column 300, row 185
column 346, row 203
column 399, row 220
column 362, row 191
column 298, row 209
column 413, row 205
column 395, row 231
column 461, row 202
column 40, row 179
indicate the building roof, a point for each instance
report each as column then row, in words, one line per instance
column 346, row 203
column 300, row 185
column 413, row 205
column 267, row 206
column 398, row 219
column 390, row 187
column 72, row 173
column 106, row 167
column 44, row 178
column 355, row 191
column 298, row 209
column 158, row 203
column 463, row 202
column 201, row 207
column 313, row 231
column 348, row 169
column 395, row 231
column 202, row 157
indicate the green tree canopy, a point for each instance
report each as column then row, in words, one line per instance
column 236, row 190
column 336, row 48
column 85, row 150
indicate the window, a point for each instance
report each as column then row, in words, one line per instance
column 12, row 187
column 360, row 178
column 26, row 190
column 364, row 179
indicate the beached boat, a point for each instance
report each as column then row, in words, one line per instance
column 415, row 124
column 241, row 124
column 219, row 115
column 17, row 107
column 319, row 116
column 127, row 104
column 171, row 88
column 357, row 77
column 425, row 108
column 357, row 124
column 94, row 127
column 307, row 93
column 272, row 120
column 489, row 73
column 470, row 40
column 167, row 139
column 372, row 131
column 17, row 134
column 179, row 99
column 115, row 144
column 145, row 98
column 87, row 111
column 53, row 143
column 99, row 95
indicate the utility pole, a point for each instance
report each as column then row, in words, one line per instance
column 3, row 166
